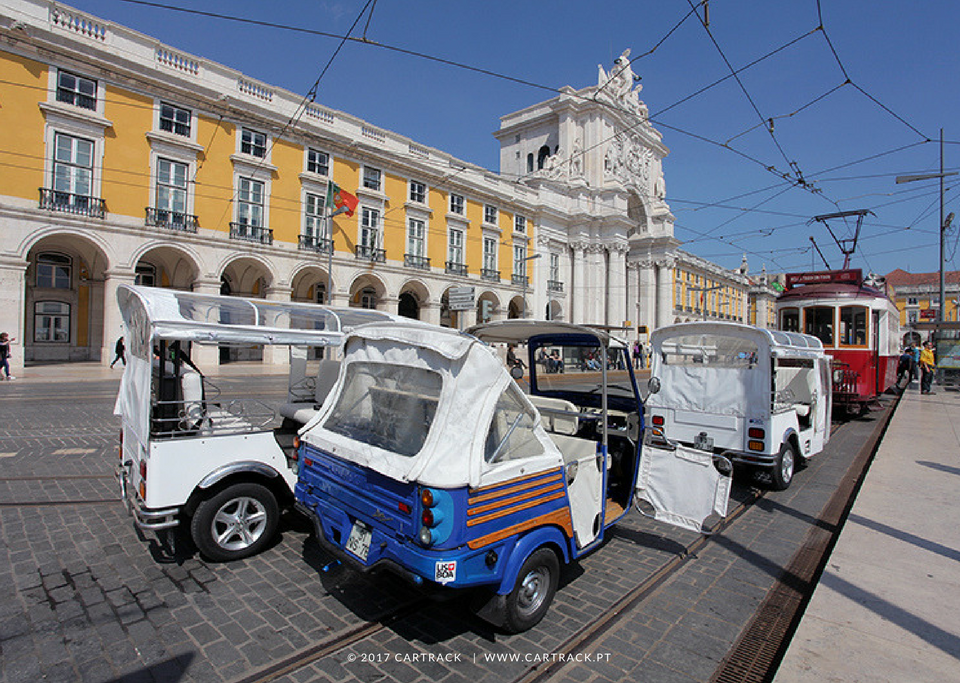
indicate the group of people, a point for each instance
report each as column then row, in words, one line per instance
column 914, row 358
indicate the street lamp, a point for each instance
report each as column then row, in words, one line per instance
column 944, row 223
column 525, row 279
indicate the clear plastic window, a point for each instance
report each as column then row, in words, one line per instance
column 818, row 321
column 511, row 436
column 388, row 406
column 853, row 325
column 709, row 350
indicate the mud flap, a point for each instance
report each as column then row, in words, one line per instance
column 683, row 486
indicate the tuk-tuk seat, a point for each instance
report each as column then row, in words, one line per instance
column 303, row 412
column 573, row 448
column 558, row 415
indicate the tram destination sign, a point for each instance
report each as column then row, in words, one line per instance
column 461, row 298
column 853, row 276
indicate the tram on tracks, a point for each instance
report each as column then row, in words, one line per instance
column 858, row 324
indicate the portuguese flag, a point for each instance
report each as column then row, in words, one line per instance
column 341, row 199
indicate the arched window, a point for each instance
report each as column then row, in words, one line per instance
column 530, row 162
column 408, row 306
column 542, row 156
column 51, row 322
column 54, row 271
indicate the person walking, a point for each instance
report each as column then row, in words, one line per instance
column 927, row 366
column 5, row 355
column 119, row 350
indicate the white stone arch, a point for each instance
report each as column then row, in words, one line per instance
column 307, row 280
column 180, row 266
column 492, row 308
column 65, row 321
column 554, row 310
column 360, row 288
column 638, row 212
column 247, row 275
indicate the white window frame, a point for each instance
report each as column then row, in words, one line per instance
column 520, row 223
column 418, row 192
column 77, row 92
column 372, row 179
column 370, row 228
column 182, row 190
column 455, row 252
column 490, row 245
column 314, row 224
column 416, row 237
column 245, row 188
column 490, row 213
column 251, row 147
column 77, row 169
column 61, row 315
column 174, row 122
column 457, row 204
column 520, row 260
column 323, row 166
column 60, row 267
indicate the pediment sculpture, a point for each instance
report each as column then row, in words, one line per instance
column 617, row 87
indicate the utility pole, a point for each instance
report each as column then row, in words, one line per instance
column 944, row 223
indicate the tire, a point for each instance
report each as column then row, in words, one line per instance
column 236, row 522
column 782, row 472
column 531, row 596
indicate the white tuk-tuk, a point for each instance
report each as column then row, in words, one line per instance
column 430, row 461
column 759, row 397
column 191, row 454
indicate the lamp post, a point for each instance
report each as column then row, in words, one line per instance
column 526, row 277
column 944, row 224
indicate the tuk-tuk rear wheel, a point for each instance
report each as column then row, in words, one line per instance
column 533, row 592
column 236, row 522
column 782, row 473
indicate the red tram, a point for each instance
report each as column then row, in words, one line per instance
column 858, row 325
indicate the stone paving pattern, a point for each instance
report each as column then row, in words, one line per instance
column 84, row 597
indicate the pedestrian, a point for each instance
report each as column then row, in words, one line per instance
column 512, row 360
column 5, row 355
column 643, row 355
column 637, row 350
column 903, row 366
column 119, row 349
column 927, row 365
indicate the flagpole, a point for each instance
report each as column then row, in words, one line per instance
column 329, row 297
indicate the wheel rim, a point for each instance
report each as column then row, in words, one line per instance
column 533, row 590
column 239, row 523
column 786, row 465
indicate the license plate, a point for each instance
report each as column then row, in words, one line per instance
column 358, row 542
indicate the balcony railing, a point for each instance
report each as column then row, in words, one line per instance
column 518, row 279
column 67, row 202
column 490, row 274
column 554, row 286
column 317, row 244
column 171, row 220
column 371, row 253
column 414, row 261
column 251, row 233
column 454, row 268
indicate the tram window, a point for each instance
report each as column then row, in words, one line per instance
column 853, row 326
column 818, row 321
column 790, row 320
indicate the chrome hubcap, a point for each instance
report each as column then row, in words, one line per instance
column 239, row 523
column 533, row 590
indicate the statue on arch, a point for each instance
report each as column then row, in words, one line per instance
column 617, row 86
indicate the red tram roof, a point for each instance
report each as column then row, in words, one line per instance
column 829, row 284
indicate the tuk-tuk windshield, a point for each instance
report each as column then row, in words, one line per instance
column 718, row 351
column 388, row 406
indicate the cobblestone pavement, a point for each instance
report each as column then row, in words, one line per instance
column 84, row 597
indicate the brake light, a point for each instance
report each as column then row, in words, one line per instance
column 404, row 507
column 756, row 433
column 430, row 517
column 427, row 517
column 296, row 447
column 143, row 480
column 657, row 420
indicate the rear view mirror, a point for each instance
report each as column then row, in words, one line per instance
column 516, row 372
column 653, row 385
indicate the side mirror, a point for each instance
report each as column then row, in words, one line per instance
column 653, row 385
column 516, row 372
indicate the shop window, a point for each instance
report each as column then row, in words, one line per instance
column 51, row 322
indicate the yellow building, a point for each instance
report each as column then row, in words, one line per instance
column 917, row 295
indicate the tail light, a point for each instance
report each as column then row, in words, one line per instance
column 427, row 517
column 143, row 480
column 121, row 445
column 657, row 420
column 756, row 433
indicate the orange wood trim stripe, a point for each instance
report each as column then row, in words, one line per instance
column 516, row 480
column 509, row 502
column 515, row 508
column 559, row 517
column 515, row 489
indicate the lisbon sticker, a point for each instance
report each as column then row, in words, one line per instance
column 445, row 572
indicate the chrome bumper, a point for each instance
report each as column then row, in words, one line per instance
column 145, row 518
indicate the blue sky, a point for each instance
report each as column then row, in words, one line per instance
column 848, row 140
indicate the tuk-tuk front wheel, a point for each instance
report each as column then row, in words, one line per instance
column 236, row 522
column 533, row 592
column 782, row 473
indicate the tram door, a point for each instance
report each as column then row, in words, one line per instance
column 877, row 388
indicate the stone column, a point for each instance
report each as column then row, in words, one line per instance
column 274, row 354
column 617, row 310
column 206, row 356
column 430, row 313
column 578, row 290
column 13, row 293
column 664, row 294
column 112, row 321
column 647, row 294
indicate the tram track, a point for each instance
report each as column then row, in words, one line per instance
column 548, row 664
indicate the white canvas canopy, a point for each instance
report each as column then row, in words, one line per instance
column 451, row 452
column 519, row 331
column 720, row 384
column 152, row 313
